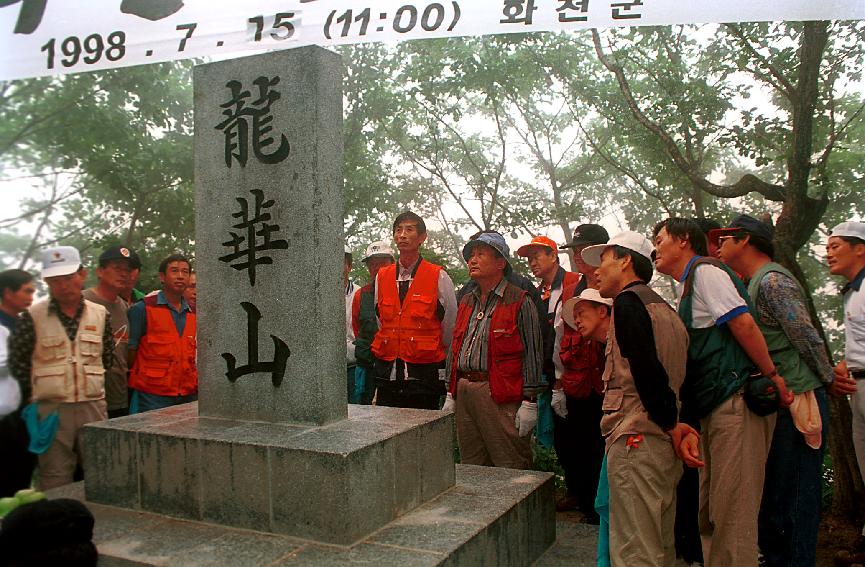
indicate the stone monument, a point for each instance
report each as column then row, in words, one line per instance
column 271, row 445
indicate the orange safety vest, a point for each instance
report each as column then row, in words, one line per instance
column 505, row 352
column 410, row 330
column 582, row 359
column 165, row 361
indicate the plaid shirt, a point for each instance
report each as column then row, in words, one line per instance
column 23, row 340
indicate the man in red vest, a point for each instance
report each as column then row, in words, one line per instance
column 416, row 307
column 495, row 362
column 162, row 343
column 578, row 389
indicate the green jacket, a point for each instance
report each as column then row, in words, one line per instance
column 797, row 375
column 717, row 365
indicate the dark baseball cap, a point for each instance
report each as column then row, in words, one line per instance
column 587, row 234
column 742, row 225
column 120, row 253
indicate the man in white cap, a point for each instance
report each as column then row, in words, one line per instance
column 59, row 352
column 589, row 314
column 726, row 346
column 365, row 325
column 646, row 354
column 845, row 255
column 495, row 362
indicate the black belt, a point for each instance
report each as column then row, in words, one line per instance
column 858, row 374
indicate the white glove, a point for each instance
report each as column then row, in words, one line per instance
column 527, row 418
column 450, row 404
column 559, row 403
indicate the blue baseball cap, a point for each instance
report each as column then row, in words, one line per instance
column 493, row 239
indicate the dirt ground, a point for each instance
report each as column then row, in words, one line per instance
column 836, row 534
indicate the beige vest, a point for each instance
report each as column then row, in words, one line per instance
column 66, row 371
column 624, row 413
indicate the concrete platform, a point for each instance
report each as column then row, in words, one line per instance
column 335, row 483
column 495, row 517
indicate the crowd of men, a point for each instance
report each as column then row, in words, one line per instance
column 691, row 433
column 84, row 355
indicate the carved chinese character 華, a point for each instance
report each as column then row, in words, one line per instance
column 256, row 236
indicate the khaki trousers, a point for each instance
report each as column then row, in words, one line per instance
column 643, row 483
column 485, row 430
column 734, row 443
column 57, row 464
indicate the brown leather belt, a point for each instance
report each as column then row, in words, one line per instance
column 472, row 376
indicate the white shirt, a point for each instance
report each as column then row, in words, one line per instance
column 10, row 391
column 350, row 290
column 854, row 327
column 715, row 298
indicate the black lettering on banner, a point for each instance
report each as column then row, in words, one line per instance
column 93, row 45
column 249, row 255
column 281, row 352
column 619, row 8
column 190, row 29
column 236, row 126
column 517, row 11
column 403, row 20
column 581, row 6
column 282, row 23
column 398, row 25
column 152, row 10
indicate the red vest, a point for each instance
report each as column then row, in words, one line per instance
column 505, row 352
column 165, row 362
column 411, row 330
column 582, row 359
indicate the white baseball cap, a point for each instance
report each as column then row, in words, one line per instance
column 850, row 228
column 378, row 249
column 60, row 261
column 633, row 241
column 588, row 294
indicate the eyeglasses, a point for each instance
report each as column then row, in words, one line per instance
column 722, row 239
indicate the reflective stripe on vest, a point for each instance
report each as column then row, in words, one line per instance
column 411, row 330
column 165, row 361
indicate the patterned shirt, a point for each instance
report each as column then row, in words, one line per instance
column 23, row 340
column 780, row 304
column 475, row 347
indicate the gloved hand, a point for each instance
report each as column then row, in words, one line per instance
column 450, row 404
column 527, row 417
column 560, row 405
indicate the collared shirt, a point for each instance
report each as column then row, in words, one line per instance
column 23, row 340
column 854, row 322
column 446, row 296
column 474, row 355
column 8, row 321
column 138, row 318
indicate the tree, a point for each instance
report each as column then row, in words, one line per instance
column 791, row 146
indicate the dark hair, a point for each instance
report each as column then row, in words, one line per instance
column 642, row 266
column 684, row 229
column 852, row 240
column 348, row 259
column 163, row 265
column 408, row 216
column 706, row 224
column 13, row 280
column 758, row 242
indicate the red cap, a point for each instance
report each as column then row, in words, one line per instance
column 544, row 241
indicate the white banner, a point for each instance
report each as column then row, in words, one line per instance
column 45, row 37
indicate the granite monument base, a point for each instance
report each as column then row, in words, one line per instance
column 335, row 483
column 494, row 517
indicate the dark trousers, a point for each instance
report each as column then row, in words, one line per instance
column 689, row 546
column 16, row 472
column 580, row 449
column 792, row 494
column 420, row 388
